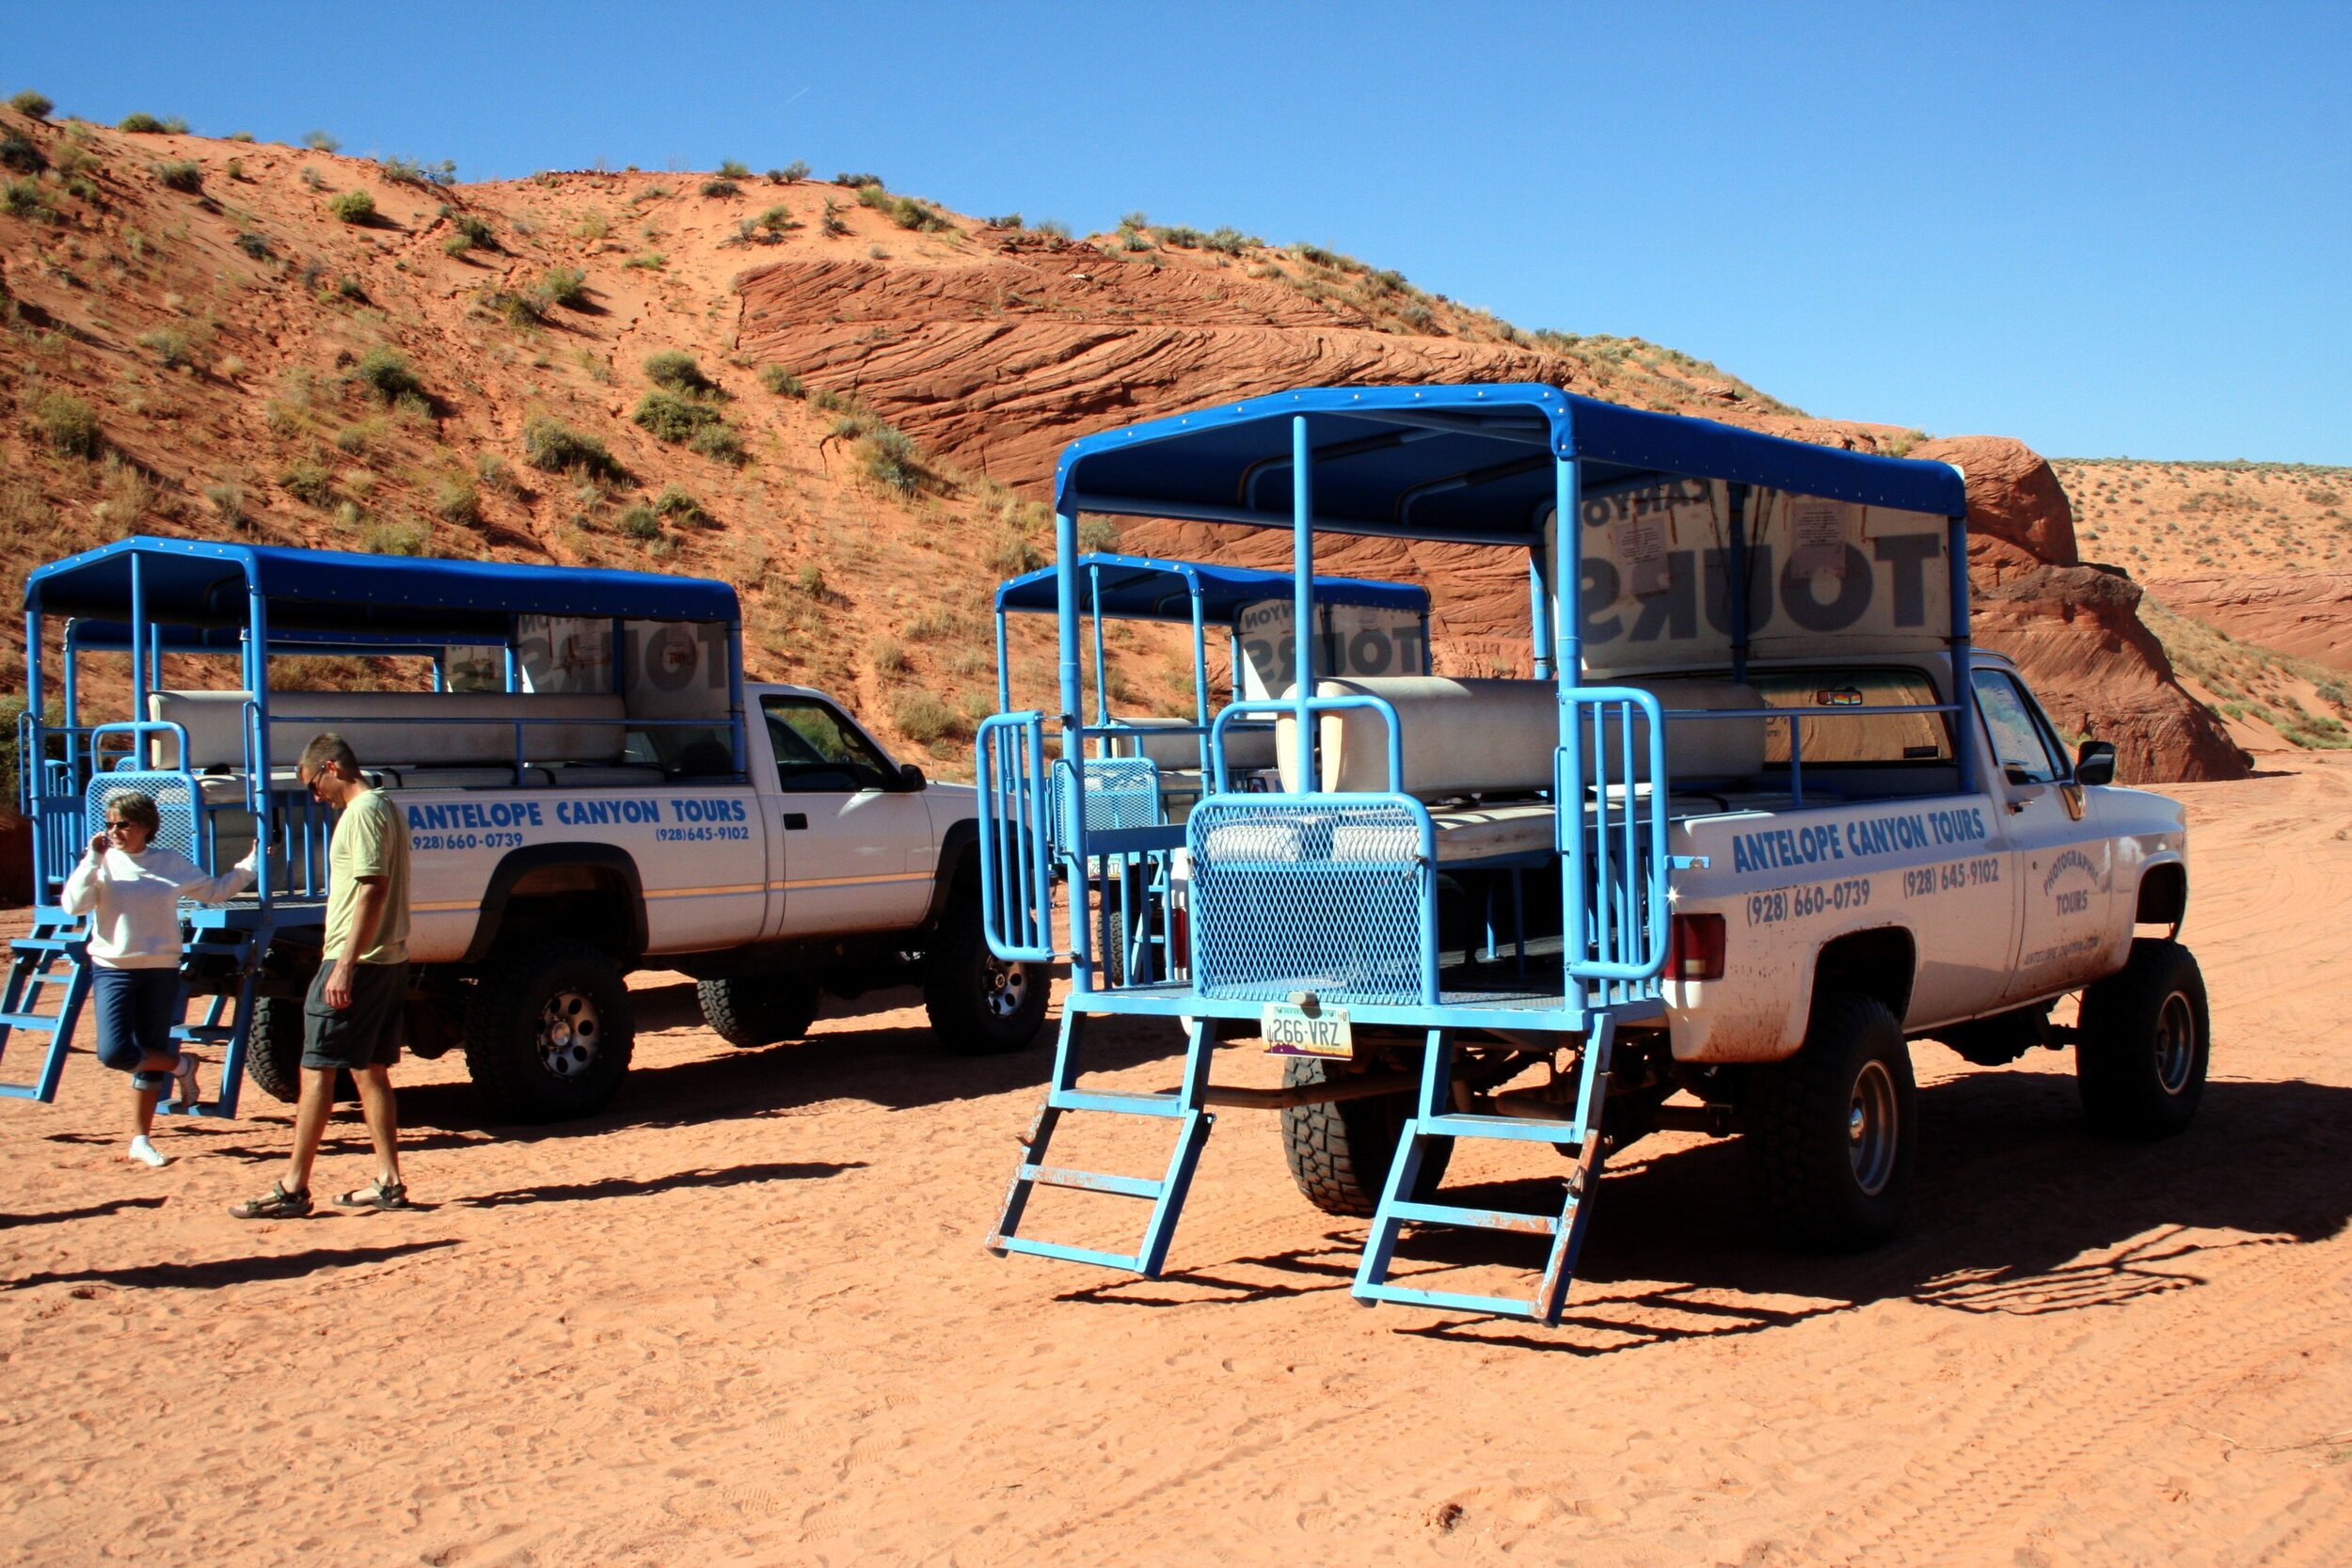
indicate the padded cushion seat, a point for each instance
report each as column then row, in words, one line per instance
column 393, row 728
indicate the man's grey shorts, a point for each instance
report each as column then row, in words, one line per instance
column 367, row 1032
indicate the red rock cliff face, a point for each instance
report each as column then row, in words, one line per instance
column 996, row 359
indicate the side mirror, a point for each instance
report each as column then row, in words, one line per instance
column 2095, row 763
column 911, row 777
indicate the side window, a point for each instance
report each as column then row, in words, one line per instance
column 2019, row 744
column 818, row 752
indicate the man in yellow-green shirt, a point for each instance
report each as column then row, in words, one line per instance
column 350, row 1020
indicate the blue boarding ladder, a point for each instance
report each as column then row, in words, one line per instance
column 1615, row 850
column 1030, row 833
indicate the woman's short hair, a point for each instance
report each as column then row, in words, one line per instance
column 132, row 806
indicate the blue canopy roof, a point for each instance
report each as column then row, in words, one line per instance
column 1473, row 462
column 192, row 582
column 1137, row 588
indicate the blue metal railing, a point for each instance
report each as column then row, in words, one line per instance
column 1016, row 855
column 1615, row 849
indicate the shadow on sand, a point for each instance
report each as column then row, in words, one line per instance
column 2015, row 1208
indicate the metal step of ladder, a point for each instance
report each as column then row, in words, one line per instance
column 1434, row 1119
column 228, row 1014
column 51, row 962
column 1185, row 1107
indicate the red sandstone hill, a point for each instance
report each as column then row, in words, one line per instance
column 198, row 342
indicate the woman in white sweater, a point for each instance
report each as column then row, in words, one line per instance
column 133, row 891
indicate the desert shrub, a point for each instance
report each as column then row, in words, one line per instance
column 175, row 126
column 555, row 448
column 349, row 287
column 566, row 286
column 321, row 141
column 732, row 169
column 516, row 310
column 228, row 501
column 1054, row 226
column 455, row 245
column 651, row 261
column 855, row 180
column 780, row 380
column 496, row 474
column 888, row 656
column 254, row 244
column 68, row 425
column 1012, row 554
column 384, row 371
column 791, row 173
column 353, row 206
column 25, row 198
column 926, row 718
column 888, row 457
column 308, row 481
column 810, row 579
column 139, row 124
column 18, row 153
column 352, row 439
column 719, row 441
column 396, row 539
column 639, row 522
column 180, row 175
column 1010, row 220
column 676, row 370
column 718, row 187
column 456, row 499
column 408, row 171
column 474, row 230
column 830, row 223
column 31, row 104
column 776, row 221
column 169, row 345
column 1097, row 533
column 672, row 416
column 904, row 211
column 681, row 508
column 246, row 137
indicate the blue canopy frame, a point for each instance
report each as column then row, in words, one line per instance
column 1485, row 464
column 151, row 596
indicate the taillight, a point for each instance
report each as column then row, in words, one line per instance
column 1695, row 948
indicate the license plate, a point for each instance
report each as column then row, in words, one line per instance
column 1291, row 1030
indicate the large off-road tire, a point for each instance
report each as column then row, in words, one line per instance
column 980, row 1004
column 549, row 1034
column 1831, row 1130
column 752, row 1010
column 2140, row 1053
column 273, row 1052
column 1340, row 1152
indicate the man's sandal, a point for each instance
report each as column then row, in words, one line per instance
column 279, row 1205
column 378, row 1194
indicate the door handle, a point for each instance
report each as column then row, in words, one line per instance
column 795, row 821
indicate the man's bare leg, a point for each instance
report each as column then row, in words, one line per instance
column 311, row 1117
column 383, row 1117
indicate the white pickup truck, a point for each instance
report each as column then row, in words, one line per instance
column 1762, row 815
column 591, row 787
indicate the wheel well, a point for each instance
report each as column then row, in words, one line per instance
column 589, row 892
column 1880, row 964
column 2163, row 895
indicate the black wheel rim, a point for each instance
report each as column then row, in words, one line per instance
column 2176, row 1043
column 570, row 1033
column 1872, row 1128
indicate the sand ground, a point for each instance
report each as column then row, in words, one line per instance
column 746, row 1317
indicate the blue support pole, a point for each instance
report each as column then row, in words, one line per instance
column 138, row 641
column 1200, row 676
column 1963, row 689
column 1102, row 683
column 1542, row 628
column 1072, row 693
column 257, row 778
column 1567, row 612
column 1303, row 593
column 1004, row 669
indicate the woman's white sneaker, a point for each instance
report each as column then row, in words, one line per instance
column 146, row 1153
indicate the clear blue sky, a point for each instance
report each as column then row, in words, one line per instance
column 2108, row 229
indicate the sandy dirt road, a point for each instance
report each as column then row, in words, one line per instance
column 746, row 1318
